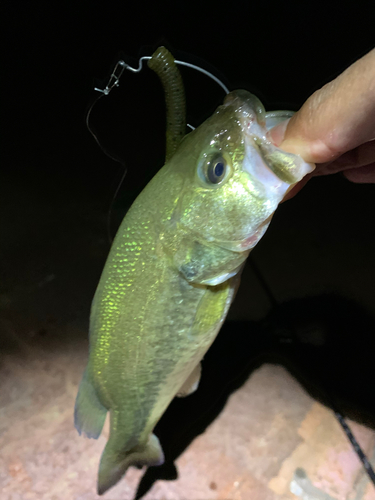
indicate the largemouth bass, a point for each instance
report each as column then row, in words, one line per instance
column 172, row 273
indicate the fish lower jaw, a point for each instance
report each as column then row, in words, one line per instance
column 248, row 243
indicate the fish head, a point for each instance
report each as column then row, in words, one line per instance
column 233, row 176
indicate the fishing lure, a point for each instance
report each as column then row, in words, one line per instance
column 162, row 62
column 173, row 271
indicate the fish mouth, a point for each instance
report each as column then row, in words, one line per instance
column 275, row 168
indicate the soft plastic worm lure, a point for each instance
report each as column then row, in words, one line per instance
column 162, row 62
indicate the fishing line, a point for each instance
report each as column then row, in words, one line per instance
column 366, row 464
column 263, row 282
column 328, row 396
column 114, row 81
column 181, row 63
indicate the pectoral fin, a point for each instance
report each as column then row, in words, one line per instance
column 89, row 413
column 207, row 264
column 191, row 383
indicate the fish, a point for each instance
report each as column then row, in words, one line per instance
column 172, row 274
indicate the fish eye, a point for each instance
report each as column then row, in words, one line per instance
column 216, row 169
column 213, row 168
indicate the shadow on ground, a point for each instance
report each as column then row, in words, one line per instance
column 318, row 339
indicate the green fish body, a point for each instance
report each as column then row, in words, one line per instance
column 171, row 276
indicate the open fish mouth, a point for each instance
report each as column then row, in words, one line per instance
column 274, row 168
column 262, row 170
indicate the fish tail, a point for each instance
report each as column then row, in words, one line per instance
column 115, row 462
column 89, row 413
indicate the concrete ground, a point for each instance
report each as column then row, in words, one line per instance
column 271, row 440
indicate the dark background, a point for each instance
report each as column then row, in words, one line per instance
column 56, row 185
column 54, row 51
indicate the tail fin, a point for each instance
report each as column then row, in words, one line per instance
column 89, row 413
column 114, row 464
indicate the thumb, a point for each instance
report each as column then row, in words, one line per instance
column 336, row 118
column 286, row 136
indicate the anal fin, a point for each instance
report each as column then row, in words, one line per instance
column 89, row 413
column 191, row 383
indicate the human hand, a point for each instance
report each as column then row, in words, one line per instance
column 335, row 128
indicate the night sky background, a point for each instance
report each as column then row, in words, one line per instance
column 56, row 185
